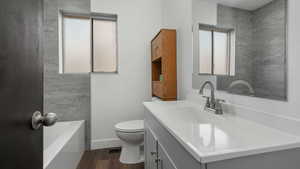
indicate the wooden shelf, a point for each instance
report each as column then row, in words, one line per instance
column 157, row 82
column 163, row 56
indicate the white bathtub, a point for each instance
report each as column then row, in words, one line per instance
column 63, row 145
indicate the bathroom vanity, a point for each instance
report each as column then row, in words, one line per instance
column 182, row 135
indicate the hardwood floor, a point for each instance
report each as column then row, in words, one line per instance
column 105, row 159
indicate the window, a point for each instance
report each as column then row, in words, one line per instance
column 216, row 50
column 76, row 45
column 104, row 46
column 88, row 43
column 221, row 55
column 205, row 51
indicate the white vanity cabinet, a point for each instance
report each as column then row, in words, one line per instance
column 156, row 156
column 151, row 154
column 166, row 150
column 162, row 151
column 164, row 161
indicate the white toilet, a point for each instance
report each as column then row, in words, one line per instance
column 132, row 135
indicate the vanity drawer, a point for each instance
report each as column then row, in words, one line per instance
column 150, row 149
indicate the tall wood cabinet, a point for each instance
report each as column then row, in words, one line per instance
column 163, row 57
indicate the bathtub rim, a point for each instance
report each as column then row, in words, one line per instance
column 52, row 151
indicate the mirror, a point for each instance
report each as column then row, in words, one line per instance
column 248, row 57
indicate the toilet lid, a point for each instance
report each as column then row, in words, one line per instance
column 130, row 126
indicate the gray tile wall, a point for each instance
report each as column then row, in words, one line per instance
column 269, row 55
column 68, row 95
column 240, row 20
column 260, row 48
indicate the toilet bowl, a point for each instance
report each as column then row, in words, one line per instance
column 131, row 133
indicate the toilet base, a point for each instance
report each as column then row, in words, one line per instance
column 131, row 154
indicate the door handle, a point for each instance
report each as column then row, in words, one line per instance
column 38, row 120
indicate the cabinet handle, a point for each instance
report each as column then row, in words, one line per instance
column 153, row 153
column 159, row 163
column 157, row 160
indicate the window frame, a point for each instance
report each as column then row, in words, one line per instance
column 91, row 17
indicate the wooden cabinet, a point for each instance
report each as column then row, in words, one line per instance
column 163, row 57
column 157, row 88
column 157, row 48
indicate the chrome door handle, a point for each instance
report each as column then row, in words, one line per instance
column 38, row 120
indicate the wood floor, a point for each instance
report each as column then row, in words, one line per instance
column 105, row 159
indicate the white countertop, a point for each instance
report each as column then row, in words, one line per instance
column 209, row 137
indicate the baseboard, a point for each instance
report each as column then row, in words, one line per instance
column 105, row 143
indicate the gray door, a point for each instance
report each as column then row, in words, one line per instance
column 21, row 83
column 150, row 149
column 164, row 162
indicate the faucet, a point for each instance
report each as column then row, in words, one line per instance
column 212, row 103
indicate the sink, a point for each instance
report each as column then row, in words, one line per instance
column 209, row 137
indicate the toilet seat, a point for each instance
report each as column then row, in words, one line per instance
column 130, row 126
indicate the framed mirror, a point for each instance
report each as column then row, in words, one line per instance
column 251, row 59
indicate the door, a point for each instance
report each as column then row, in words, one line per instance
column 164, row 161
column 150, row 149
column 21, row 83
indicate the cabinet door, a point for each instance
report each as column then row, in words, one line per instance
column 156, row 47
column 164, row 161
column 150, row 149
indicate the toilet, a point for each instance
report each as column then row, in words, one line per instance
column 131, row 133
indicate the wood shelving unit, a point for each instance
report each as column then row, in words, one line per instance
column 163, row 56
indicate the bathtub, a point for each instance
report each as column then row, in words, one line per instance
column 63, row 145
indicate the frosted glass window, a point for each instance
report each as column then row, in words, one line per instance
column 104, row 46
column 76, row 45
column 205, row 52
column 221, row 59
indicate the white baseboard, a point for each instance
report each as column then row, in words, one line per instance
column 105, row 143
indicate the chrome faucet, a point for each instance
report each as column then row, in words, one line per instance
column 212, row 103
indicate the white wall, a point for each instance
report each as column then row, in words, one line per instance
column 182, row 15
column 290, row 108
column 204, row 12
column 119, row 97
column 177, row 14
